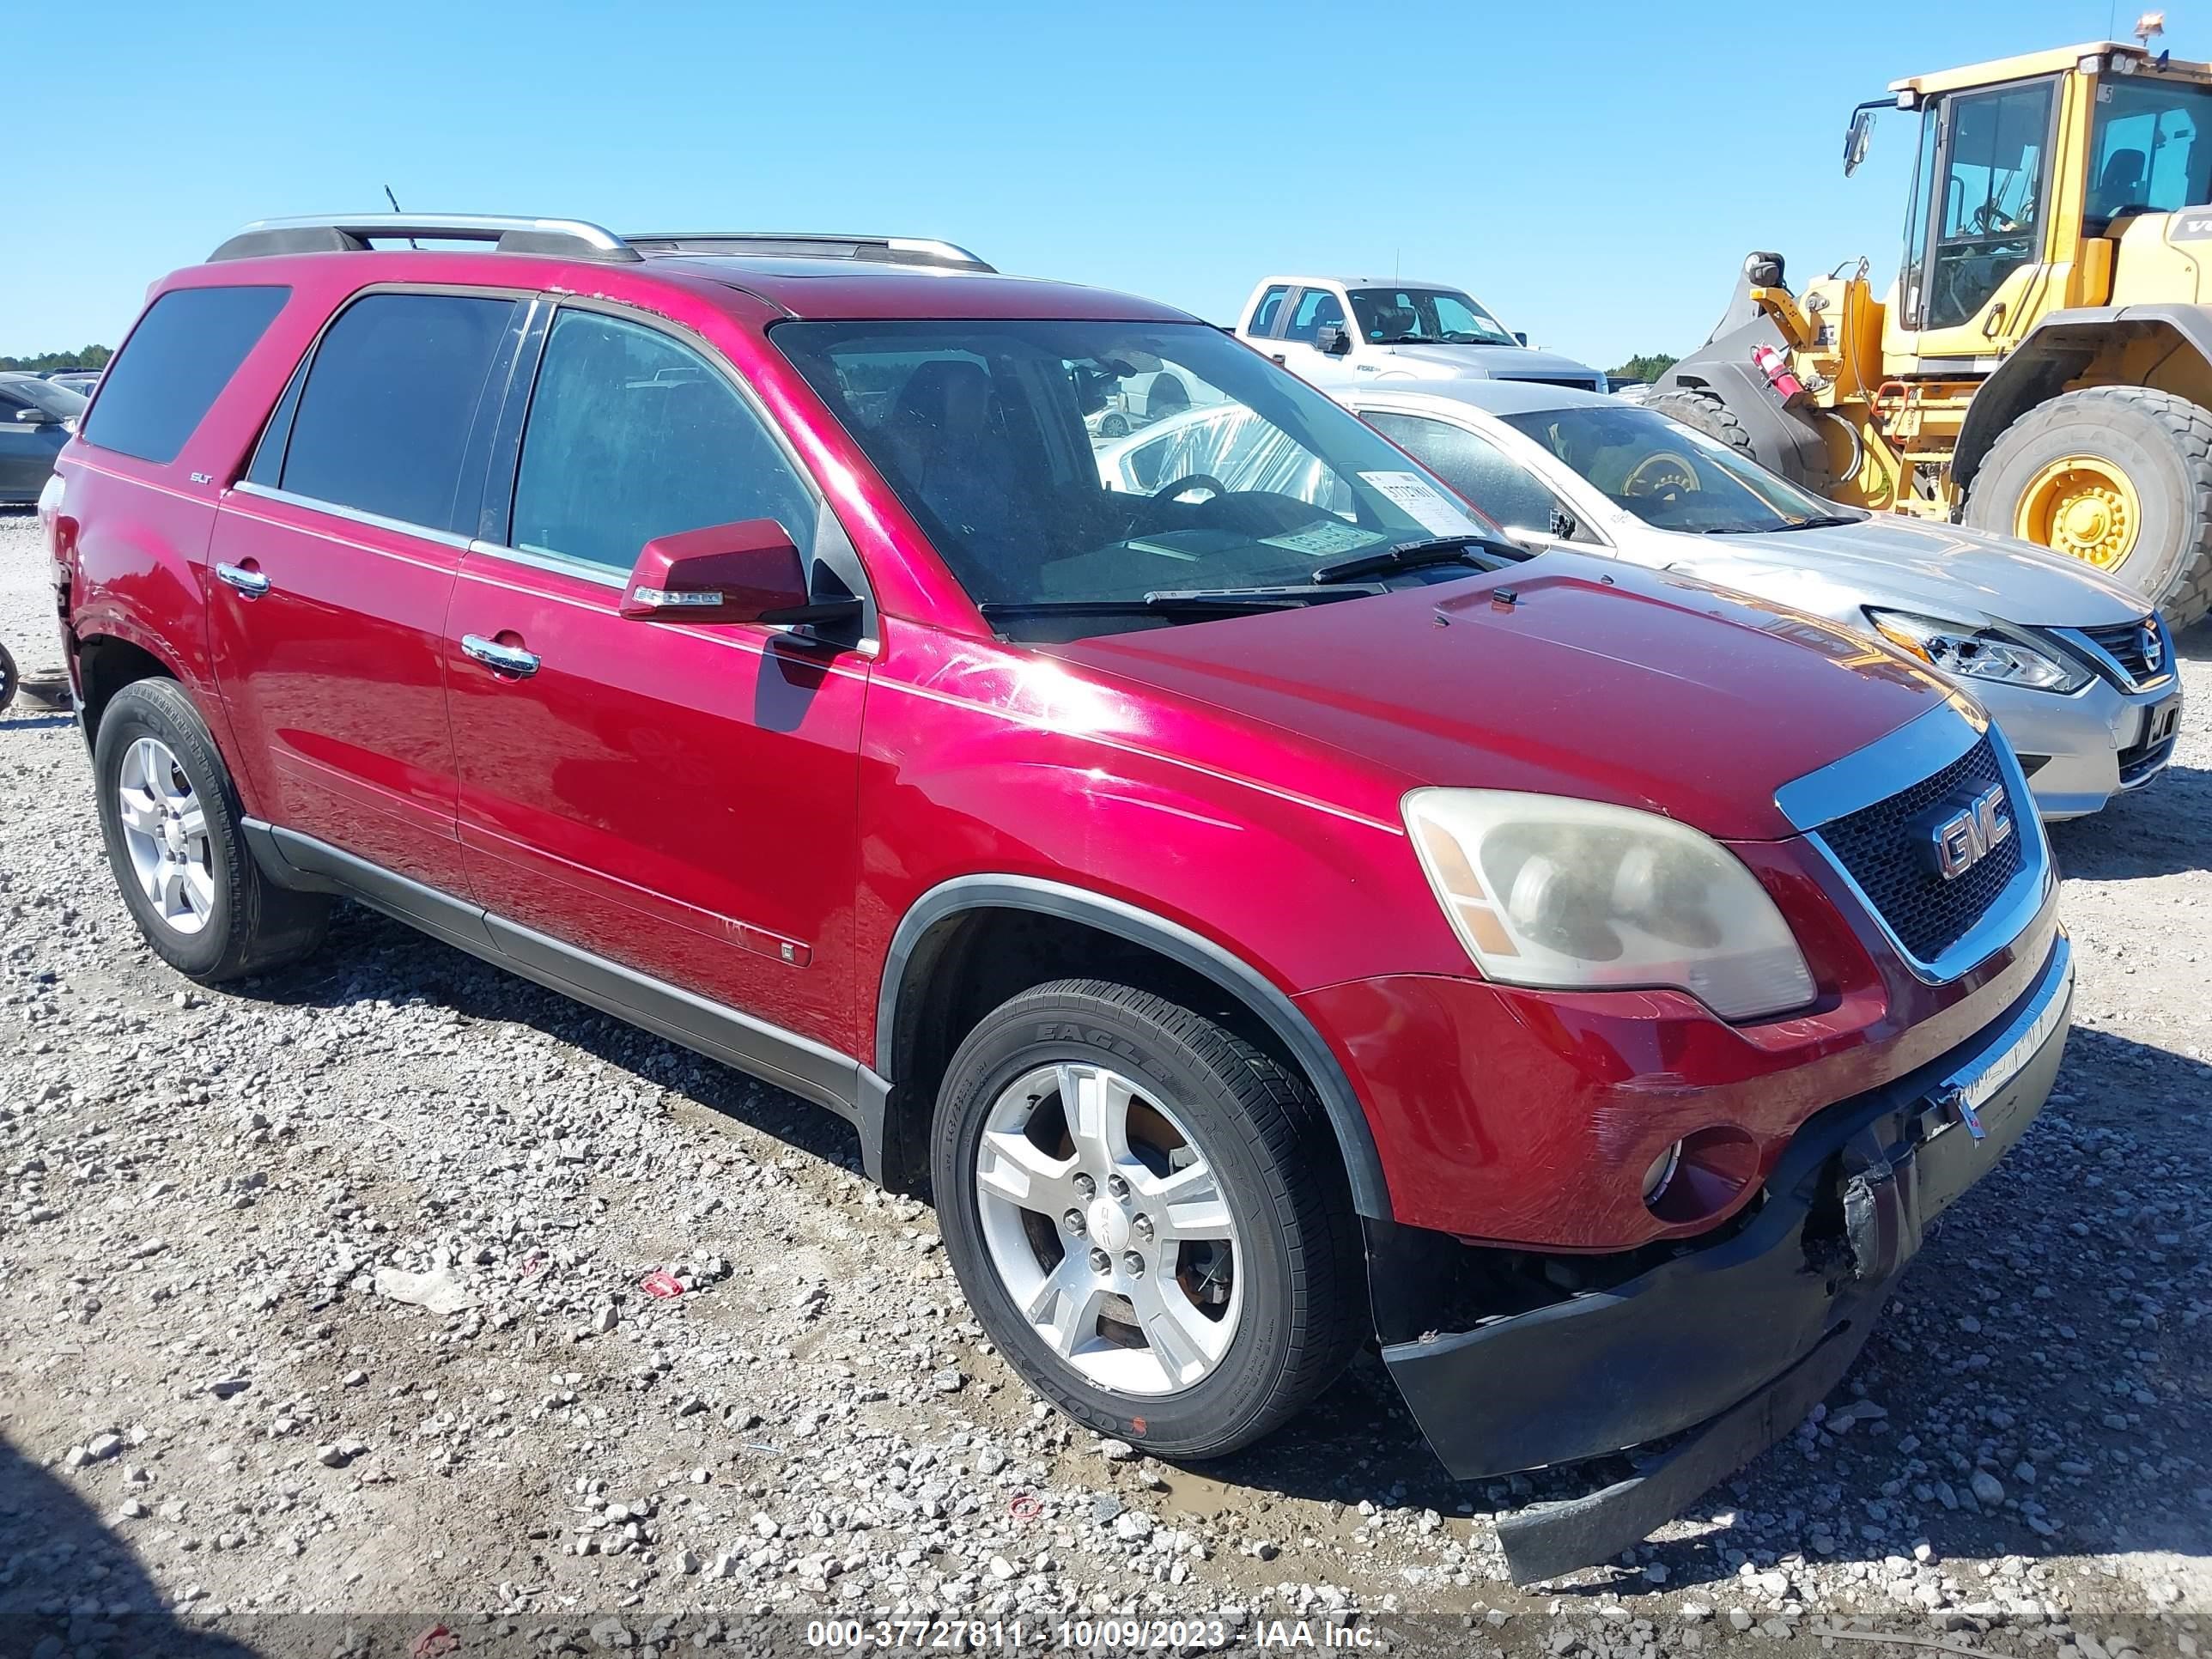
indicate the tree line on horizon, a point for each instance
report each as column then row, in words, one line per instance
column 91, row 356
column 1646, row 367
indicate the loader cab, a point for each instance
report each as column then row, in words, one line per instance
column 1980, row 238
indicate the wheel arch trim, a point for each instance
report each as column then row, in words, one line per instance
column 2063, row 342
column 1178, row 944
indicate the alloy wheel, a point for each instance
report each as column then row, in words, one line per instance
column 165, row 832
column 1109, row 1228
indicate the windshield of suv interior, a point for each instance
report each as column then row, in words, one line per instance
column 1424, row 316
column 1054, row 464
column 1667, row 475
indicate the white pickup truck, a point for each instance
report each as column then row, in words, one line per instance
column 1336, row 331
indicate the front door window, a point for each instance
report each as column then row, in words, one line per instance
column 1989, row 197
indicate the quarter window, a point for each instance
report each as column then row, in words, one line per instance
column 175, row 364
column 632, row 436
column 384, row 416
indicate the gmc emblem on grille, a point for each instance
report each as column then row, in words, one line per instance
column 1971, row 833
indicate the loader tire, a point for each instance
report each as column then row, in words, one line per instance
column 2119, row 476
column 1704, row 411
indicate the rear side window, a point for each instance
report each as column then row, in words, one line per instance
column 175, row 364
column 1270, row 306
column 384, row 416
column 633, row 436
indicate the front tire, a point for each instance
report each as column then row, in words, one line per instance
column 1148, row 1216
column 1704, row 411
column 2119, row 476
column 170, row 817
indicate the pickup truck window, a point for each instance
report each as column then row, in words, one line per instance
column 1269, row 308
column 1424, row 316
column 1317, row 306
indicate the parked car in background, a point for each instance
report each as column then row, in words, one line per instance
column 1266, row 912
column 36, row 419
column 79, row 380
column 1137, row 400
column 1332, row 331
column 2076, row 669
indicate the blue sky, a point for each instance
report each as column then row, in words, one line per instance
column 1594, row 172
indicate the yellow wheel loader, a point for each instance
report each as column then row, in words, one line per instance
column 2042, row 366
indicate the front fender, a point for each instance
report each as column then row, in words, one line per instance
column 2059, row 349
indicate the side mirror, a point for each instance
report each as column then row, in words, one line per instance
column 1857, row 137
column 1331, row 340
column 35, row 415
column 1520, row 336
column 749, row 572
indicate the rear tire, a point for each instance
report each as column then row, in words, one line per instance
column 2159, row 443
column 1189, row 1292
column 171, row 818
column 1704, row 411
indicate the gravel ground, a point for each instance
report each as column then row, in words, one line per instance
column 219, row 1410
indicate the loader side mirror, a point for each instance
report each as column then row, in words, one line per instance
column 1855, row 140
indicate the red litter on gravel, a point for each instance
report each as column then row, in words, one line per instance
column 1023, row 1507
column 662, row 1284
column 433, row 1641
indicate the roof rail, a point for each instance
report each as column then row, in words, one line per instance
column 567, row 239
column 810, row 244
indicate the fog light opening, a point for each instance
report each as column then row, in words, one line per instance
column 1661, row 1176
column 1701, row 1176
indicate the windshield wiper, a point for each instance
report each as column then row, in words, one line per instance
column 1818, row 521
column 1477, row 551
column 1169, row 601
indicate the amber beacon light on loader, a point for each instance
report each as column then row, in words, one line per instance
column 2042, row 365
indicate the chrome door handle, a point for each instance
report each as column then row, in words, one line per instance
column 251, row 583
column 508, row 659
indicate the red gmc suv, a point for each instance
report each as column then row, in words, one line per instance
column 1266, row 912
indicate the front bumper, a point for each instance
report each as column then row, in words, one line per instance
column 2097, row 742
column 1733, row 1341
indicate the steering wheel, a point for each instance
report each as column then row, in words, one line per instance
column 1665, row 475
column 1189, row 481
column 1991, row 219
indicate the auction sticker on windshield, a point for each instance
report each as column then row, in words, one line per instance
column 1323, row 539
column 1430, row 506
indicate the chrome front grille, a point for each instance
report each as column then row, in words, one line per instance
column 1883, row 817
column 1886, row 849
column 2134, row 654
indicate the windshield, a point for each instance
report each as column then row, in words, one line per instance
column 1432, row 316
column 1072, row 462
column 1667, row 475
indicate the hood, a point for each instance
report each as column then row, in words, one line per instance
column 1599, row 681
column 1911, row 564
column 1494, row 362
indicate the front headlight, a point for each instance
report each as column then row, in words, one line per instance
column 1575, row 895
column 1967, row 652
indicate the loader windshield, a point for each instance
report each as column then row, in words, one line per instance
column 1667, row 475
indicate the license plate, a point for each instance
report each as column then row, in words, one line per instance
column 2161, row 721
